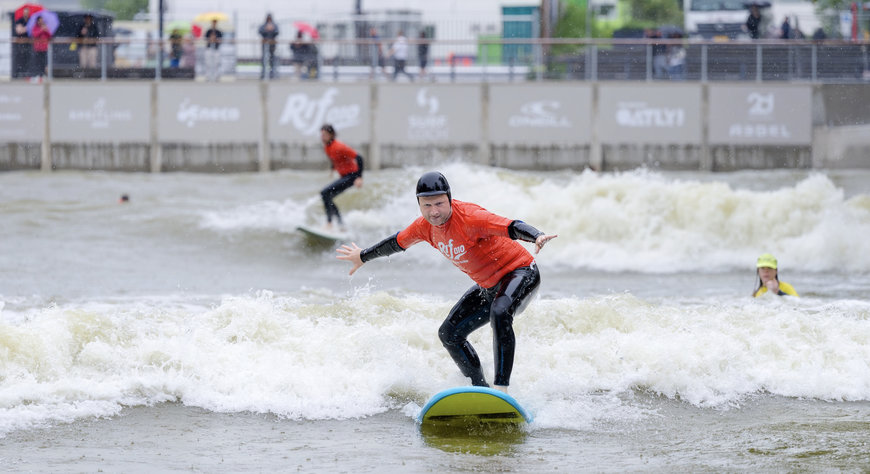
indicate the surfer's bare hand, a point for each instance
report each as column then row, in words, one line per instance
column 541, row 240
column 358, row 182
column 351, row 253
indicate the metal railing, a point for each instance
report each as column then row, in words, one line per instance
column 496, row 60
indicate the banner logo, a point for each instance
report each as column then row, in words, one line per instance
column 306, row 114
column 191, row 114
column 431, row 125
column 760, row 120
column 100, row 115
column 641, row 115
column 540, row 114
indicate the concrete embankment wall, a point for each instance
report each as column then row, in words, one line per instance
column 239, row 127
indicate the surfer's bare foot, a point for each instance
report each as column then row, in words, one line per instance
column 502, row 388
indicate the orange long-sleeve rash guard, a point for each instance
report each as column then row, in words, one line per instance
column 473, row 239
column 343, row 157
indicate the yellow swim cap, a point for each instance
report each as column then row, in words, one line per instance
column 766, row 261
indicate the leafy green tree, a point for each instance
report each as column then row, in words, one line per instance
column 123, row 9
column 571, row 23
column 653, row 13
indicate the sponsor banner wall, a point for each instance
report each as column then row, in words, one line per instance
column 297, row 111
column 21, row 113
column 649, row 114
column 551, row 114
column 760, row 114
column 217, row 113
column 419, row 114
column 102, row 113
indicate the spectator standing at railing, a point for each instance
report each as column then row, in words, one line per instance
column 399, row 53
column 301, row 53
column 188, row 53
column 176, row 49
column 88, row 35
column 676, row 59
column 269, row 34
column 423, row 53
column 785, row 29
column 41, row 36
column 753, row 22
column 213, row 39
column 21, row 48
column 376, row 53
column 659, row 55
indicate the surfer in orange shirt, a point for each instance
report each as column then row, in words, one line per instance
column 349, row 165
column 483, row 245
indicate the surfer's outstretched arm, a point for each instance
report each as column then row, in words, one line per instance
column 351, row 254
column 357, row 256
column 519, row 230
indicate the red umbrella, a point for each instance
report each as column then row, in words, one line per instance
column 306, row 28
column 19, row 12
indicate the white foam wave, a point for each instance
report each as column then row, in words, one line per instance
column 363, row 354
column 638, row 221
column 648, row 222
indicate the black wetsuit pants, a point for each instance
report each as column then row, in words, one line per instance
column 498, row 306
column 334, row 189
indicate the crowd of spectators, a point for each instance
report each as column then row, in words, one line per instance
column 385, row 58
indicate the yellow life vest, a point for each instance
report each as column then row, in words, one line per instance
column 784, row 289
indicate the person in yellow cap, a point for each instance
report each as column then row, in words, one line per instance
column 768, row 278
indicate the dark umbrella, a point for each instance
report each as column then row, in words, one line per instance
column 756, row 3
column 49, row 17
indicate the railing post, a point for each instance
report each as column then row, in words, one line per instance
column 814, row 60
column 485, row 61
column 511, row 69
column 704, row 62
column 45, row 163
column 588, row 65
column 594, row 62
column 758, row 63
column 158, row 66
column 649, row 62
column 49, row 64
column 103, row 62
column 265, row 148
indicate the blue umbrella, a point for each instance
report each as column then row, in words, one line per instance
column 49, row 17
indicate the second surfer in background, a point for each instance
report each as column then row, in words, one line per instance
column 349, row 165
column 484, row 246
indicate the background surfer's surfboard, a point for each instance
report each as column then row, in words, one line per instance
column 322, row 233
column 482, row 403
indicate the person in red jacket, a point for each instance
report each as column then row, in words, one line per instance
column 349, row 165
column 41, row 36
column 483, row 245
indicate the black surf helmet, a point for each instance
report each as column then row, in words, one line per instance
column 433, row 183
